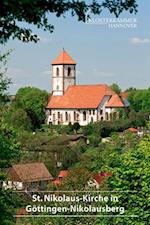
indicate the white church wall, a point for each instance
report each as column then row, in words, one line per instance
column 66, row 116
column 57, row 79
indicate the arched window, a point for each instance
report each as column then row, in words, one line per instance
column 69, row 71
column 66, row 116
column 57, row 87
column 57, row 71
column 58, row 115
column 107, row 116
column 84, row 115
column 74, row 115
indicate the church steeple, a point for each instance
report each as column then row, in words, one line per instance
column 63, row 73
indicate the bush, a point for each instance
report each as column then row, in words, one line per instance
column 94, row 140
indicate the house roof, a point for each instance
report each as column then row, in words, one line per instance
column 132, row 129
column 99, row 177
column 115, row 101
column 63, row 58
column 80, row 97
column 63, row 173
column 29, row 172
column 124, row 95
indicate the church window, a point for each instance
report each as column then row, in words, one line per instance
column 50, row 112
column 57, row 87
column 69, row 71
column 66, row 116
column 93, row 112
column 84, row 115
column 74, row 115
column 101, row 112
column 58, row 115
column 107, row 116
column 57, row 71
column 53, row 117
column 92, row 119
column 89, row 112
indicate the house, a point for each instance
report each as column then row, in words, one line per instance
column 70, row 103
column 28, row 177
column 132, row 129
column 62, row 174
column 98, row 178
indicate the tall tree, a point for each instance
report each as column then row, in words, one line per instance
column 33, row 101
column 36, row 12
column 4, row 80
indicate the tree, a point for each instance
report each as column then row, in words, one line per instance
column 140, row 100
column 33, row 101
column 18, row 119
column 131, row 175
column 115, row 88
column 4, row 80
column 9, row 153
column 36, row 13
column 76, row 127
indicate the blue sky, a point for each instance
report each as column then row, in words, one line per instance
column 103, row 55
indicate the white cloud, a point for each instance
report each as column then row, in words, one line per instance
column 137, row 40
column 44, row 39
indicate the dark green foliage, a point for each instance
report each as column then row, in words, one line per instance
column 4, row 80
column 140, row 100
column 9, row 154
column 9, row 203
column 10, row 148
column 36, row 13
column 132, row 174
column 115, row 88
column 105, row 128
column 76, row 127
column 33, row 101
column 94, row 140
column 18, row 119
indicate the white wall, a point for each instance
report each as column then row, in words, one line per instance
column 57, row 81
column 16, row 185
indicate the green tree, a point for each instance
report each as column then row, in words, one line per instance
column 33, row 101
column 9, row 153
column 131, row 175
column 115, row 88
column 140, row 100
column 36, row 13
column 4, row 80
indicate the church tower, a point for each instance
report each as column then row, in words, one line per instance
column 63, row 73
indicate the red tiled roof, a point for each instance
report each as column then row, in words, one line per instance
column 29, row 172
column 63, row 173
column 124, row 95
column 132, row 129
column 80, row 97
column 63, row 58
column 115, row 101
column 56, row 182
column 99, row 177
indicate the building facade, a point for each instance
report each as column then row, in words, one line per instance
column 71, row 103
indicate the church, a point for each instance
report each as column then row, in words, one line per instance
column 71, row 103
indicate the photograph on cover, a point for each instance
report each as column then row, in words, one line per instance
column 74, row 112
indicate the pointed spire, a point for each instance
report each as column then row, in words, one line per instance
column 63, row 58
